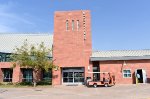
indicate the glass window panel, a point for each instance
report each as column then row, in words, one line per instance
column 124, row 71
column 67, row 25
column 129, row 75
column 72, row 24
column 128, row 71
column 70, row 79
column 77, row 25
column 125, row 75
column 76, row 74
column 65, row 79
column 81, row 79
column 70, row 74
column 76, row 79
column 65, row 74
column 81, row 74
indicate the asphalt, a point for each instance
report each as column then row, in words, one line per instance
column 139, row 91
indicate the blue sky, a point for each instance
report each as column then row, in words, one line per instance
column 116, row 24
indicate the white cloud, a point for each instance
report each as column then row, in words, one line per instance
column 9, row 19
column 4, row 28
column 15, row 17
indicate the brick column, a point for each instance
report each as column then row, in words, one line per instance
column 16, row 75
column 90, row 70
column 56, row 77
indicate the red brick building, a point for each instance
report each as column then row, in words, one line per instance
column 125, row 64
column 72, row 52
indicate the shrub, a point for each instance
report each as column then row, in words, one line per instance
column 9, row 83
column 1, row 84
column 44, row 82
column 25, row 83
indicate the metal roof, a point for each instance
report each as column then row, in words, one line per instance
column 120, row 55
column 8, row 41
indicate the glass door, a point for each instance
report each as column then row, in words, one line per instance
column 68, row 77
column 78, row 77
column 73, row 77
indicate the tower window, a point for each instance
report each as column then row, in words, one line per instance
column 67, row 25
column 72, row 24
column 77, row 25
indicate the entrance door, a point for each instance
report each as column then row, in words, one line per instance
column 140, row 75
column 78, row 77
column 72, row 76
column 144, row 76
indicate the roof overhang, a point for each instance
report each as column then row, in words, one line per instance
column 119, row 58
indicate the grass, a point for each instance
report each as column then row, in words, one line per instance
column 23, row 85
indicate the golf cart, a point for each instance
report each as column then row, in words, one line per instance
column 108, row 79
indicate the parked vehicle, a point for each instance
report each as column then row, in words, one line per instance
column 106, row 79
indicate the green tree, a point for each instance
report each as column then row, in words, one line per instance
column 35, row 57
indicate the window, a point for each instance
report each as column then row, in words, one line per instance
column 67, row 25
column 5, row 57
column 127, row 73
column 1, row 58
column 77, row 25
column 7, row 75
column 27, row 75
column 47, row 75
column 72, row 24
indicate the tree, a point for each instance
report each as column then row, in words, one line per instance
column 35, row 57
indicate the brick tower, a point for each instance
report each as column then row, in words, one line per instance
column 72, row 46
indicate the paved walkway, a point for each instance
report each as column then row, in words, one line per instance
column 141, row 91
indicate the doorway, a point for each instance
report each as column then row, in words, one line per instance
column 140, row 76
column 96, row 68
column 72, row 75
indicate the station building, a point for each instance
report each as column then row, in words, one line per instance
column 72, row 52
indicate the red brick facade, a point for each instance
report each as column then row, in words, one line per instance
column 71, row 48
column 16, row 71
column 117, row 67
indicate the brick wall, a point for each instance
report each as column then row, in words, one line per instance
column 117, row 66
column 70, row 47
